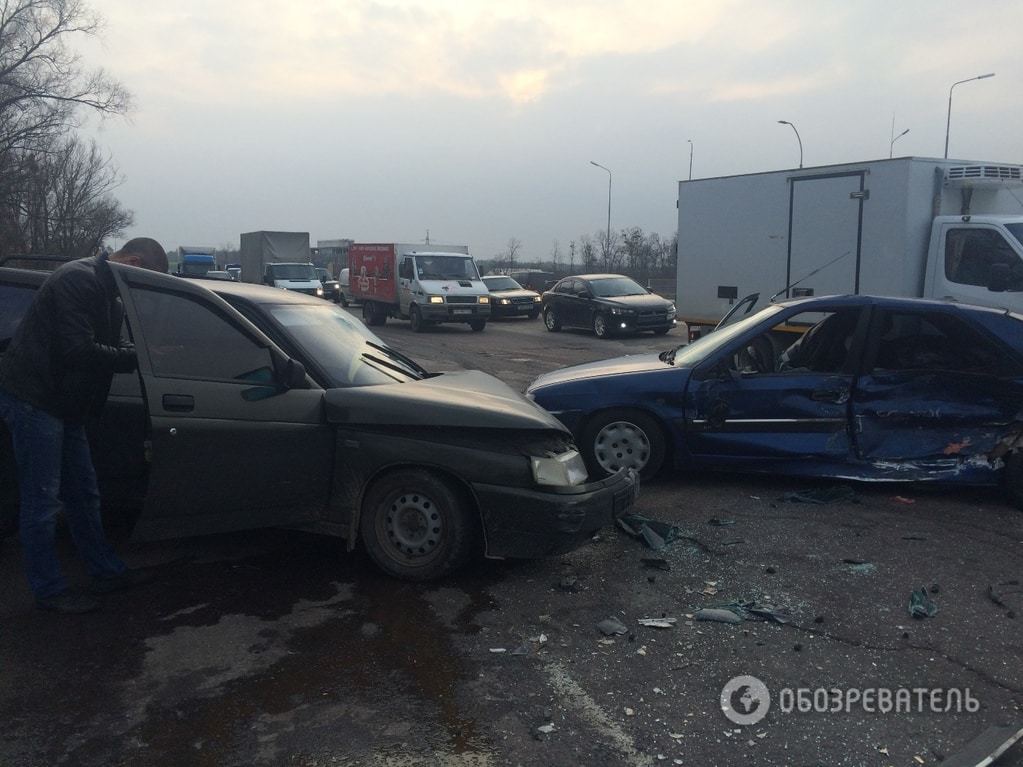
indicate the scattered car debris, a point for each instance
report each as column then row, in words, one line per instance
column 752, row 611
column 913, row 538
column 862, row 568
column 998, row 592
column 986, row 748
column 656, row 563
column 717, row 522
column 823, row 495
column 655, row 534
column 498, row 649
column 903, row 500
column 569, row 583
column 546, row 729
column 658, row 623
column 717, row 615
column 612, row 627
column 921, row 605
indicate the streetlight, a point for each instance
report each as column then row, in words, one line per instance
column 891, row 146
column 690, row 158
column 786, row 122
column 948, row 120
column 607, row 247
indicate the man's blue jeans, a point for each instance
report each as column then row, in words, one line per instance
column 54, row 470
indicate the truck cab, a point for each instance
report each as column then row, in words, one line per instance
column 300, row 277
column 442, row 287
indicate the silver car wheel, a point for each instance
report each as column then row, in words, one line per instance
column 621, row 444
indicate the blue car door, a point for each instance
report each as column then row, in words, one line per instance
column 778, row 395
column 936, row 391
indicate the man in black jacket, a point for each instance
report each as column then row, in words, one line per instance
column 56, row 374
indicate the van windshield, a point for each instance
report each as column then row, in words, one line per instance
column 436, row 267
column 293, row 271
column 1016, row 230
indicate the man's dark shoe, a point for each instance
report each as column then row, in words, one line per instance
column 129, row 579
column 68, row 602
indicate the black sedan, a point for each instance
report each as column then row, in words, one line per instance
column 331, row 287
column 509, row 299
column 256, row 407
column 607, row 304
column 852, row 387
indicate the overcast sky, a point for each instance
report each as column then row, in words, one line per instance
column 380, row 120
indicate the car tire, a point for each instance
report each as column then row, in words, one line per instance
column 416, row 320
column 600, row 327
column 373, row 314
column 418, row 526
column 1013, row 478
column 551, row 321
column 477, row 325
column 623, row 438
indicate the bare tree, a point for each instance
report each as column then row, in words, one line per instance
column 555, row 254
column 514, row 246
column 65, row 205
column 53, row 191
column 571, row 256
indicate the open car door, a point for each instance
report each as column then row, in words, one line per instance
column 231, row 446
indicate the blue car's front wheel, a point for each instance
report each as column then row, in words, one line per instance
column 623, row 439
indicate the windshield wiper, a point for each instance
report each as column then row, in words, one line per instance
column 415, row 366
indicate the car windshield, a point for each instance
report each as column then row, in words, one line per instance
column 696, row 352
column 446, row 268
column 349, row 354
column 1017, row 231
column 610, row 287
column 501, row 283
column 294, row 272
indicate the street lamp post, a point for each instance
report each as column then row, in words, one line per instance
column 607, row 246
column 690, row 158
column 786, row 122
column 948, row 119
column 891, row 146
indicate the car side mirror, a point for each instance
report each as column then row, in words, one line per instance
column 998, row 278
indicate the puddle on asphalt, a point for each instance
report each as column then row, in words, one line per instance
column 367, row 662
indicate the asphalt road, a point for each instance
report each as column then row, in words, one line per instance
column 276, row 647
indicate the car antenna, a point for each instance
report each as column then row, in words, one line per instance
column 807, row 276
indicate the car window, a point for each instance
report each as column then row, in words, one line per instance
column 14, row 302
column 970, row 254
column 189, row 339
column 807, row 342
column 934, row 341
column 565, row 286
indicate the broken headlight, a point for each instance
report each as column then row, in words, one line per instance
column 564, row 469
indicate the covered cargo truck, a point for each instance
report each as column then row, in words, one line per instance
column 911, row 226
column 279, row 259
column 196, row 260
column 424, row 284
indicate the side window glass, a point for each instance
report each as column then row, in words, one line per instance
column 809, row 342
column 934, row 341
column 406, row 269
column 970, row 254
column 186, row 338
column 14, row 302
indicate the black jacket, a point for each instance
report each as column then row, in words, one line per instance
column 66, row 350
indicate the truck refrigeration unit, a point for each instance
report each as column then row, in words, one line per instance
column 910, row 226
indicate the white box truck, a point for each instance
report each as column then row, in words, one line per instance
column 910, row 226
column 279, row 259
column 424, row 284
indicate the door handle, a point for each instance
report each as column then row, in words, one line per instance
column 178, row 403
column 834, row 396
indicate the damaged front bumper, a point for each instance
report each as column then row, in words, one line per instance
column 525, row 523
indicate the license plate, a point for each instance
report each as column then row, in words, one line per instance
column 524, row 309
column 461, row 311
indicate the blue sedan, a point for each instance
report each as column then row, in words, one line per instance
column 855, row 387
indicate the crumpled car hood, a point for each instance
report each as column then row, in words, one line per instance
column 466, row 399
column 632, row 363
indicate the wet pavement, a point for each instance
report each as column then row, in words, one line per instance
column 278, row 647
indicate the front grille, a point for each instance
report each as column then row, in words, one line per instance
column 461, row 299
column 659, row 317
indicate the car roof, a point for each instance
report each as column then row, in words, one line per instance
column 599, row 276
column 890, row 302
